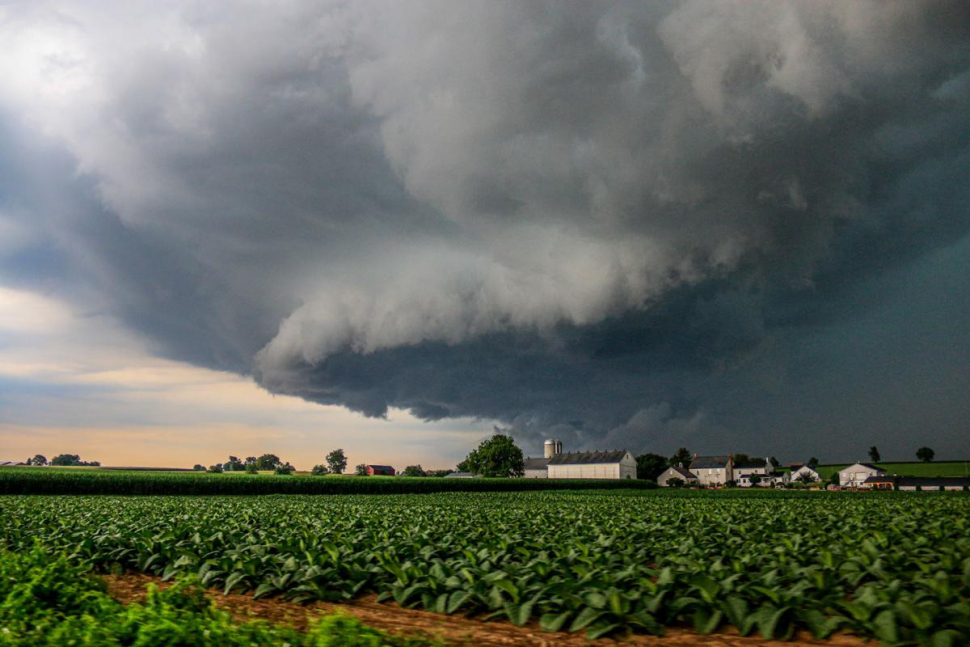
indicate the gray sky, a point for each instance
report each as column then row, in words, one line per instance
column 739, row 226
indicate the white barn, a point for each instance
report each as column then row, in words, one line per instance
column 617, row 464
column 807, row 471
column 855, row 475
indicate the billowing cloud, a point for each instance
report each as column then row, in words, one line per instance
column 606, row 220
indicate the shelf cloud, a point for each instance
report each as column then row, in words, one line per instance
column 636, row 223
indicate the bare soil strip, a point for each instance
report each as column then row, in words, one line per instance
column 454, row 630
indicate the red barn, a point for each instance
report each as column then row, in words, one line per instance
column 380, row 470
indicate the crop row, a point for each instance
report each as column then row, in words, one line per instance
column 56, row 481
column 893, row 566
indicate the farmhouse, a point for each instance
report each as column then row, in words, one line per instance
column 380, row 470
column 855, row 475
column 753, row 467
column 675, row 472
column 713, row 470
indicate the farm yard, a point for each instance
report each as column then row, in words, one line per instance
column 770, row 564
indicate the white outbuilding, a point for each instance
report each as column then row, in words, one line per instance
column 805, row 470
column 616, row 464
column 856, row 474
column 675, row 472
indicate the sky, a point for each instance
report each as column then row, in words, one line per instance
column 397, row 227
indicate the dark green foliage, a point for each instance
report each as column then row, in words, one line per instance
column 650, row 466
column 38, row 459
column 360, row 470
column 268, row 462
column 889, row 566
column 54, row 601
column 812, row 462
column 337, row 461
column 30, row 481
column 233, row 465
column 72, row 460
column 925, row 454
column 251, row 468
column 284, row 470
column 497, row 456
column 741, row 459
column 413, row 470
column 874, row 454
column 681, row 458
column 320, row 470
column 215, row 469
column 198, row 468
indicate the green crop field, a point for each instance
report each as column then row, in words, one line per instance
column 895, row 566
column 908, row 468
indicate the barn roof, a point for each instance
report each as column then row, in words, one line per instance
column 381, row 467
column 587, row 458
column 709, row 462
column 687, row 474
column 536, row 463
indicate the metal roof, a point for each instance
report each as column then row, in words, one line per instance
column 706, row 462
column 536, row 463
column 588, row 458
column 381, row 467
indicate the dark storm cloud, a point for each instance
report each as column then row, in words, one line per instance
column 614, row 223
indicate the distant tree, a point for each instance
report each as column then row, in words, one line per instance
column 198, row 468
column 834, row 479
column 361, row 470
column 413, row 470
column 675, row 482
column 233, row 465
column 741, row 459
column 251, row 460
column 874, row 454
column 284, row 470
column 925, row 454
column 39, row 460
column 320, row 470
column 337, row 461
column 268, row 462
column 216, row 469
column 66, row 460
column 251, row 468
column 812, row 462
column 755, row 479
column 681, row 458
column 774, row 461
column 650, row 466
column 805, row 478
column 497, row 456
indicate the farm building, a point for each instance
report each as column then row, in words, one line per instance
column 932, row 484
column 675, row 472
column 877, row 482
column 855, row 475
column 460, row 475
column 616, row 464
column 712, row 470
column 759, row 467
column 805, row 469
column 11, row 463
column 380, row 470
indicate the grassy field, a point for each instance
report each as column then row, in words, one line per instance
column 29, row 480
column 908, row 468
column 895, row 566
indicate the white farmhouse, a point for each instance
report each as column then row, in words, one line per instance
column 712, row 470
column 805, row 470
column 855, row 475
column 675, row 472
column 760, row 467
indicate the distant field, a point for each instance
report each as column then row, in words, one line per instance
column 15, row 480
column 909, row 468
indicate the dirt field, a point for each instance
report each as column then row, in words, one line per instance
column 454, row 630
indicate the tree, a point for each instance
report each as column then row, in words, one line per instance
column 774, row 462
column 268, row 462
column 650, row 466
column 874, row 454
column 216, row 469
column 198, row 468
column 72, row 460
column 497, row 456
column 741, row 459
column 413, row 470
column 39, row 460
column 320, row 470
column 834, row 479
column 233, row 465
column 251, row 460
column 755, row 479
column 681, row 458
column 284, row 470
column 805, row 478
column 360, row 470
column 337, row 461
column 812, row 462
column 675, row 482
column 925, row 454
column 251, row 468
